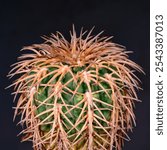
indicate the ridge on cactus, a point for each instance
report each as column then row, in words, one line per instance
column 75, row 95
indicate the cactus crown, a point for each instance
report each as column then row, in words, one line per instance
column 76, row 95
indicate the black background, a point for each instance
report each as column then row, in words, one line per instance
column 23, row 22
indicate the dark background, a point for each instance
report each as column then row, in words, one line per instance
column 23, row 22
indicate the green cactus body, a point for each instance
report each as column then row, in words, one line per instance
column 77, row 95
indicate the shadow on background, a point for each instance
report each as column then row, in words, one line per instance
column 22, row 23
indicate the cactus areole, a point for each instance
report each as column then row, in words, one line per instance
column 77, row 94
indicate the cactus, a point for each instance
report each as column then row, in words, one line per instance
column 75, row 95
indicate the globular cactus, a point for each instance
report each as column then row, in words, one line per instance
column 76, row 95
